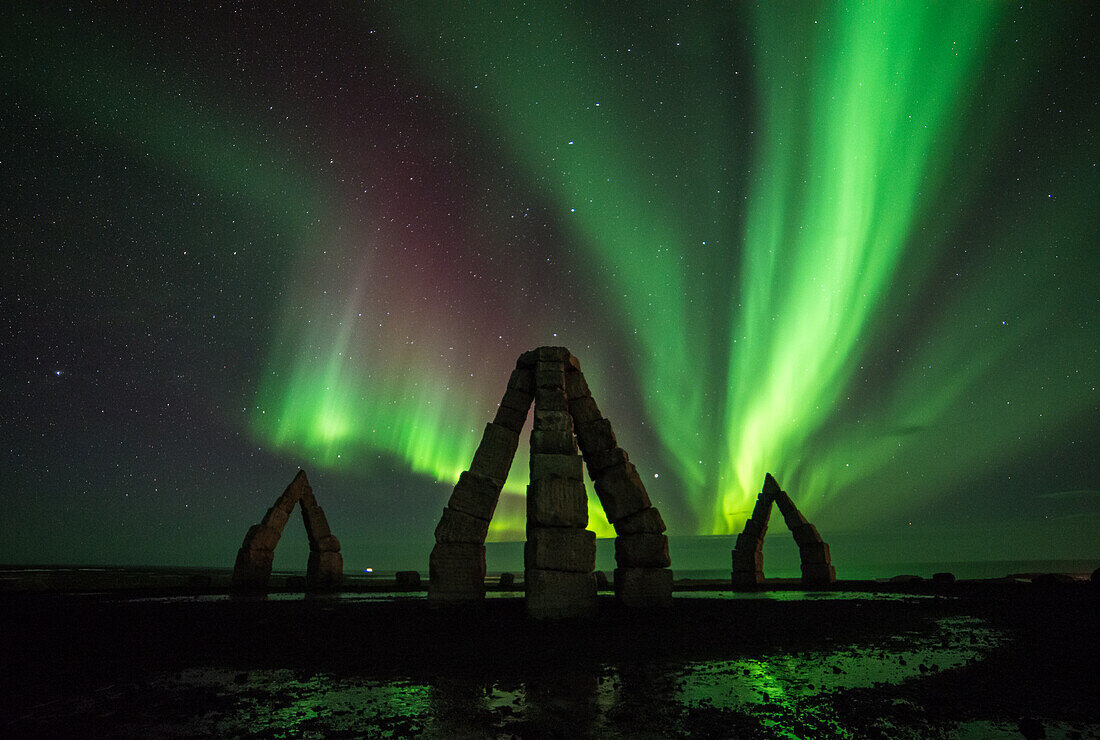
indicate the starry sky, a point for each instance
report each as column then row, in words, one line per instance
column 854, row 245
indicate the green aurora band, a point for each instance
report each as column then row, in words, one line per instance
column 832, row 211
column 763, row 234
column 859, row 111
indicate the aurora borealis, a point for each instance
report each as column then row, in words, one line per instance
column 854, row 245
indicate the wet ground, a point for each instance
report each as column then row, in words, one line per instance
column 1006, row 661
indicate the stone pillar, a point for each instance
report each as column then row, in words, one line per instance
column 748, row 556
column 560, row 553
column 456, row 567
column 816, row 561
column 642, row 577
column 325, row 568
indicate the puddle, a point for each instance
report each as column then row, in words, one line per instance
column 776, row 695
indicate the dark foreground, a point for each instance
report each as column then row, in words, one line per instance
column 979, row 660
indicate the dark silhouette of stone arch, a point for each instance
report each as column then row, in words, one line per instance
column 325, row 569
column 748, row 558
column 560, row 553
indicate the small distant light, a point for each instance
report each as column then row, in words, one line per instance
column 368, row 570
column 656, row 475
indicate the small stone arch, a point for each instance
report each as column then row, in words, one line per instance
column 325, row 569
column 748, row 558
column 560, row 553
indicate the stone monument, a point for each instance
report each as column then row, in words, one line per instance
column 325, row 569
column 560, row 553
column 748, row 558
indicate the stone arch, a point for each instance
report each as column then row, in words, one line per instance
column 560, row 553
column 748, row 558
column 325, row 569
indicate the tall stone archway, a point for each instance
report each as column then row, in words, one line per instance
column 560, row 553
column 748, row 558
column 325, row 569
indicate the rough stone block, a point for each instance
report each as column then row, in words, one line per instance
column 495, row 453
column 806, row 535
column 560, row 548
column 555, row 594
column 252, row 568
column 645, row 550
column 276, row 518
column 647, row 520
column 457, row 567
column 407, row 579
column 315, row 521
column 509, row 418
column 644, row 587
column 324, row 570
column 756, row 528
column 814, row 552
column 551, row 399
column 818, row 574
column 784, row 503
column 458, row 526
column 744, row 579
column 748, row 542
column 553, row 421
column 476, row 495
column 259, row 537
column 771, row 487
column 328, row 543
column 455, row 574
column 584, row 409
column 516, row 399
column 549, row 375
column 621, row 492
column 287, row 502
column 575, row 384
column 748, row 561
column 294, row 492
column 507, row 580
column 552, row 442
column 599, row 461
column 595, row 436
column 762, row 511
column 794, row 520
column 527, row 359
column 557, row 502
column 552, row 354
column 522, row 380
column 562, row 466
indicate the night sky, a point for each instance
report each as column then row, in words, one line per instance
column 855, row 246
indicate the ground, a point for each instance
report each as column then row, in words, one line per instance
column 979, row 659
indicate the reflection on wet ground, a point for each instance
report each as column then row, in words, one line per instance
column 782, row 694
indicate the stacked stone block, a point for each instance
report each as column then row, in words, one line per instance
column 324, row 570
column 456, row 567
column 817, row 568
column 642, row 576
column 748, row 555
column 560, row 553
